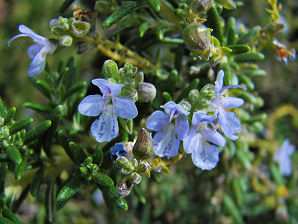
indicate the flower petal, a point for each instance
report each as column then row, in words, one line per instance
column 105, row 128
column 205, row 156
column 118, row 150
column 37, row 64
column 284, row 162
column 15, row 37
column 91, row 105
column 201, row 116
column 157, row 120
column 34, row 36
column 125, row 107
column 213, row 137
column 229, row 123
column 171, row 107
column 33, row 50
column 219, row 81
column 107, row 88
column 181, row 126
column 231, row 102
column 192, row 141
column 288, row 147
column 166, row 143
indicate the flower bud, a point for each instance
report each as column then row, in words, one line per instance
column 143, row 145
column 125, row 165
column 110, row 69
column 65, row 41
column 59, row 25
column 135, row 178
column 130, row 91
column 186, row 105
column 146, row 92
column 194, row 95
column 197, row 37
column 80, row 28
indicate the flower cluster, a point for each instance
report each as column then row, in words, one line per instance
column 203, row 138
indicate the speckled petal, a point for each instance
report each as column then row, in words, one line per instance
column 105, row 128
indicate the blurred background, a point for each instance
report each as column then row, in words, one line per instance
column 278, row 88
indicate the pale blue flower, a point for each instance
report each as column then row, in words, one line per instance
column 170, row 126
column 107, row 108
column 36, row 52
column 283, row 157
column 227, row 120
column 202, row 141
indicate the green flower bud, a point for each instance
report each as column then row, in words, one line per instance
column 125, row 165
column 143, row 145
column 197, row 37
column 59, row 25
column 186, row 105
column 110, row 69
column 194, row 96
column 208, row 91
column 146, row 92
column 65, row 41
column 135, row 178
column 80, row 28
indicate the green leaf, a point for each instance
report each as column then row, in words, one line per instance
column 19, row 125
column 68, row 191
column 143, row 28
column 231, row 31
column 37, row 131
column 232, row 209
column 37, row 107
column 119, row 13
column 6, row 221
column 216, row 22
column 275, row 171
column 155, row 4
column 14, row 155
column 43, row 87
column 11, row 216
column 247, row 81
column 239, row 48
column 249, row 57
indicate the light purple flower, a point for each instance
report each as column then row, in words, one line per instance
column 170, row 126
column 227, row 120
column 202, row 141
column 282, row 157
column 107, row 108
column 36, row 52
